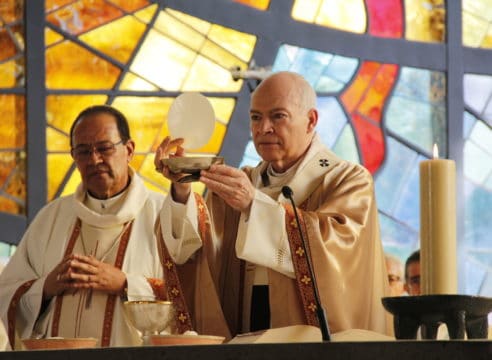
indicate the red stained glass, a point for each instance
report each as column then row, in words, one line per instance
column 353, row 95
column 385, row 18
column 370, row 139
column 84, row 15
column 375, row 97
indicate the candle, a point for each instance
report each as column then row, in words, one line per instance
column 438, row 226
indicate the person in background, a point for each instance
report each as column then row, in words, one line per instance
column 395, row 274
column 412, row 274
column 239, row 253
column 85, row 254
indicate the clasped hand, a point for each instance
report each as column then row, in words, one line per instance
column 83, row 272
column 230, row 183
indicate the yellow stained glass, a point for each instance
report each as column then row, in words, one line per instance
column 136, row 83
column 61, row 110
column 13, row 122
column 474, row 30
column 223, row 108
column 137, row 161
column 215, row 142
column 487, row 41
column 130, row 5
column 147, row 171
column 259, row 4
column 51, row 37
column 221, row 56
column 179, row 31
column 56, row 141
column 425, row 20
column 117, row 39
column 72, row 183
column 16, row 183
column 69, row 66
column 198, row 24
column 146, row 14
column 11, row 10
column 57, row 168
column 146, row 116
column 346, row 15
column 10, row 71
column 159, row 52
column 206, row 75
column 239, row 43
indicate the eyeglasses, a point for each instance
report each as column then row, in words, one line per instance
column 103, row 148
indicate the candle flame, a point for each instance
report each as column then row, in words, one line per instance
column 435, row 152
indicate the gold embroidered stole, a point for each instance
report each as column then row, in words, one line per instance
column 301, row 268
column 174, row 289
column 12, row 311
column 111, row 298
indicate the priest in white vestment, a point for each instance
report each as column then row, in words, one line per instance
column 85, row 254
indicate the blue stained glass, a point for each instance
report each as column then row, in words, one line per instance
column 341, row 68
column 331, row 120
column 478, row 215
column 310, row 64
column 326, row 84
column 408, row 204
column 282, row 61
column 477, row 94
column 397, row 238
column 417, row 122
column 486, row 288
column 468, row 122
column 251, row 157
column 475, row 275
column 393, row 177
column 477, row 163
column 420, row 85
column 483, row 257
column 346, row 146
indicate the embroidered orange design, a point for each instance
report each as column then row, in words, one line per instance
column 168, row 264
column 312, row 307
column 293, row 223
column 300, row 251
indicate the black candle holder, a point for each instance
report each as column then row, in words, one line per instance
column 460, row 313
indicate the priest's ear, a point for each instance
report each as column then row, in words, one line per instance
column 130, row 149
column 312, row 120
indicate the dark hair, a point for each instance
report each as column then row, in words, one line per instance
column 414, row 257
column 121, row 121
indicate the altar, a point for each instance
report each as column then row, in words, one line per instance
column 401, row 350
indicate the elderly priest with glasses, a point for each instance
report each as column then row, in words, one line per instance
column 85, row 253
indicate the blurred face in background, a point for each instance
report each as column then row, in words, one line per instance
column 412, row 282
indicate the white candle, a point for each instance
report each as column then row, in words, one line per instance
column 438, row 226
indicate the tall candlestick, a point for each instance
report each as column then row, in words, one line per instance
column 438, row 226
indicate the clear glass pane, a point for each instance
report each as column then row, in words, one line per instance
column 478, row 95
column 477, row 19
